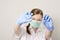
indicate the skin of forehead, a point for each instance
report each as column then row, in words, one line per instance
column 37, row 17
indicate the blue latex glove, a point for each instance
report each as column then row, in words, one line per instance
column 48, row 22
column 24, row 18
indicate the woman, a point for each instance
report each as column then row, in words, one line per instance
column 32, row 30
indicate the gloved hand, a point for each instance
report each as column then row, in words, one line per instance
column 48, row 22
column 24, row 18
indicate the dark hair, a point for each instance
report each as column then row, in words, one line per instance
column 34, row 11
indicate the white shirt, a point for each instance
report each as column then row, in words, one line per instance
column 39, row 35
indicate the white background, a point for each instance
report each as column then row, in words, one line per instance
column 11, row 9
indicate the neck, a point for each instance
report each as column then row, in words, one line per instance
column 35, row 29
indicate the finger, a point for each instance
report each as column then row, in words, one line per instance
column 25, row 13
column 28, row 13
column 48, row 18
column 51, row 20
column 45, row 17
column 28, row 17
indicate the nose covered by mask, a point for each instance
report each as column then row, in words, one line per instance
column 35, row 24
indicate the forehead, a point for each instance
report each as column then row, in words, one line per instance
column 37, row 16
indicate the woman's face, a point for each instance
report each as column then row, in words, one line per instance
column 37, row 17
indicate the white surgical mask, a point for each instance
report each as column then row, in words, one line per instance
column 35, row 24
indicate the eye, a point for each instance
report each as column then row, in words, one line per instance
column 38, row 20
column 33, row 18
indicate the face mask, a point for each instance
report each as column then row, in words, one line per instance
column 35, row 24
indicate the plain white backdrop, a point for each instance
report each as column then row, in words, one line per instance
column 11, row 9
